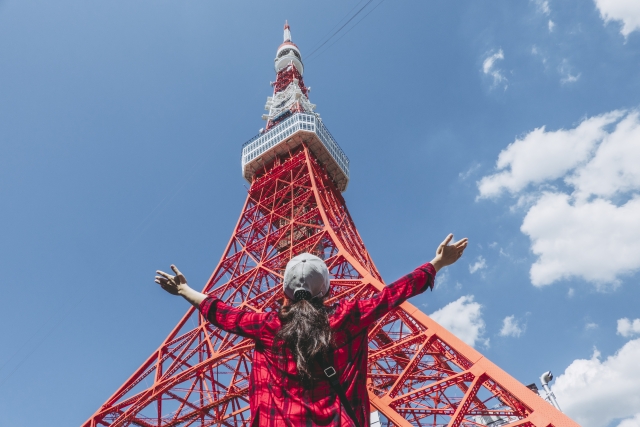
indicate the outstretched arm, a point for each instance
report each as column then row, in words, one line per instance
column 228, row 318
column 364, row 312
column 177, row 285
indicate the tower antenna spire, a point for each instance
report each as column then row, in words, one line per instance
column 290, row 95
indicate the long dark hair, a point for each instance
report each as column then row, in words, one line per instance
column 306, row 333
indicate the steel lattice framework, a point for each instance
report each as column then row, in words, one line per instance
column 419, row 373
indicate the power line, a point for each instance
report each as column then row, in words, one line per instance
column 338, row 23
column 346, row 32
column 344, row 25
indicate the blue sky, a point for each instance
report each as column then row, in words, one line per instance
column 512, row 123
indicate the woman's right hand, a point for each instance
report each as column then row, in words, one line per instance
column 177, row 285
column 447, row 254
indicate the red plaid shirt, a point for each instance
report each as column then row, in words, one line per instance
column 276, row 396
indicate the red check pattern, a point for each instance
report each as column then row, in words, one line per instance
column 276, row 396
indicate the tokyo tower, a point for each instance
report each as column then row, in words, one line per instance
column 419, row 374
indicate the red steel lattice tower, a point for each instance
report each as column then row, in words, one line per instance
column 419, row 373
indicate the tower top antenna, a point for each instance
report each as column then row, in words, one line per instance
column 288, row 53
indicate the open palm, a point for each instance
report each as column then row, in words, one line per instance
column 171, row 284
column 447, row 254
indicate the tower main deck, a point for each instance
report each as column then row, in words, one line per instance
column 299, row 128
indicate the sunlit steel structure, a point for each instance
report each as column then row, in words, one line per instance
column 419, row 373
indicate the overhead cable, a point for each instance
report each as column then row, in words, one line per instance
column 345, row 33
column 337, row 23
column 344, row 25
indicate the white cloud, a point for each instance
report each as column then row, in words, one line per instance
column 540, row 53
column 627, row 328
column 442, row 278
column 595, row 216
column 543, row 155
column 463, row 318
column 570, row 78
column 566, row 71
column 625, row 11
column 596, row 392
column 571, row 239
column 631, row 422
column 464, row 175
column 489, row 68
column 543, row 6
column 478, row 265
column 590, row 326
column 551, row 25
column 614, row 168
column 511, row 327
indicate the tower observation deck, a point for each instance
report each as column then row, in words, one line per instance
column 418, row 373
column 291, row 121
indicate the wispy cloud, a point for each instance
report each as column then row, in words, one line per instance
column 478, row 265
column 590, row 326
column 490, row 69
column 466, row 174
column 442, row 279
column 570, row 78
column 566, row 72
column 543, row 6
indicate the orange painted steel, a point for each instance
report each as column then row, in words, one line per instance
column 419, row 373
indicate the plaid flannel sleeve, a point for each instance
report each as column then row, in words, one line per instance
column 365, row 312
column 241, row 322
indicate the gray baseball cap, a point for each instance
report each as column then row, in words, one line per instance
column 306, row 272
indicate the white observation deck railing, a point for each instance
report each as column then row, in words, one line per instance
column 297, row 122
